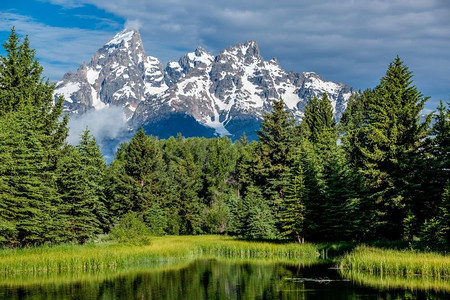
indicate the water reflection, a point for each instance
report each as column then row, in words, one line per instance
column 208, row 279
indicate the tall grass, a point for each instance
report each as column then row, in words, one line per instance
column 71, row 276
column 398, row 262
column 390, row 281
column 102, row 256
column 231, row 247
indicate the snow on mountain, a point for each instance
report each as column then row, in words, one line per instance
column 224, row 95
column 119, row 74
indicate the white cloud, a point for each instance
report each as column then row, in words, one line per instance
column 133, row 24
column 106, row 125
column 58, row 49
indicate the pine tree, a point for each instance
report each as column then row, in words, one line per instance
column 257, row 221
column 293, row 212
column 156, row 220
column 28, row 202
column 77, row 198
column 387, row 145
column 439, row 153
column 26, row 104
column 274, row 155
column 219, row 182
column 435, row 232
column 444, row 216
column 314, row 200
column 143, row 163
column 94, row 167
column 119, row 187
column 350, row 128
column 81, row 172
column 318, row 123
column 22, row 86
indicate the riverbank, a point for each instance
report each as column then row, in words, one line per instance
column 173, row 249
column 109, row 255
column 396, row 262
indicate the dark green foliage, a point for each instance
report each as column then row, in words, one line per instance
column 434, row 167
column 81, row 172
column 31, row 142
column 309, row 161
column 185, row 159
column 275, row 151
column 136, row 178
column 383, row 176
column 385, row 147
column 330, row 200
column 444, row 216
column 27, row 196
column 131, row 230
column 156, row 220
column 318, row 124
column 255, row 216
column 20, row 77
column 269, row 166
column 350, row 126
column 220, row 183
column 293, row 212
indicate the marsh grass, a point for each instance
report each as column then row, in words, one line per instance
column 396, row 262
column 389, row 282
column 108, row 256
column 71, row 276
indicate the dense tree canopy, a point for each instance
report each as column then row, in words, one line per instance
column 381, row 173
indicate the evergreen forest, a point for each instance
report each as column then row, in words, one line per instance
column 381, row 173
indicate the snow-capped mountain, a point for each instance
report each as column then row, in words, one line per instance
column 200, row 94
column 119, row 74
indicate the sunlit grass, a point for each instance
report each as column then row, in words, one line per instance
column 407, row 282
column 64, row 258
column 397, row 262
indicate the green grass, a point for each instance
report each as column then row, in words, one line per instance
column 396, row 262
column 64, row 258
column 407, row 282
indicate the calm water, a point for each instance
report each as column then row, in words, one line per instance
column 213, row 279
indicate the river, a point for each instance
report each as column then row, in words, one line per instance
column 222, row 279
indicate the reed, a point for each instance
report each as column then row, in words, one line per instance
column 397, row 262
column 231, row 247
column 390, row 282
column 102, row 256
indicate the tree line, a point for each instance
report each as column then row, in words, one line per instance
column 381, row 172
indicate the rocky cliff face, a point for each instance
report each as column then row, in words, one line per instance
column 200, row 94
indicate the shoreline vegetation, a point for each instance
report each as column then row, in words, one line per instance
column 88, row 257
column 108, row 259
column 377, row 261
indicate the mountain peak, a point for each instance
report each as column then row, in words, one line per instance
column 249, row 50
column 226, row 94
column 123, row 36
column 252, row 44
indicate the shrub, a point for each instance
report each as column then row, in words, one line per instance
column 131, row 230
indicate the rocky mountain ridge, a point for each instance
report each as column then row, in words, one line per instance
column 199, row 95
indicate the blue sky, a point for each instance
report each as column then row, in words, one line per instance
column 346, row 41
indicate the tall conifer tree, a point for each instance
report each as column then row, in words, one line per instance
column 274, row 155
column 293, row 211
column 26, row 104
column 388, row 142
